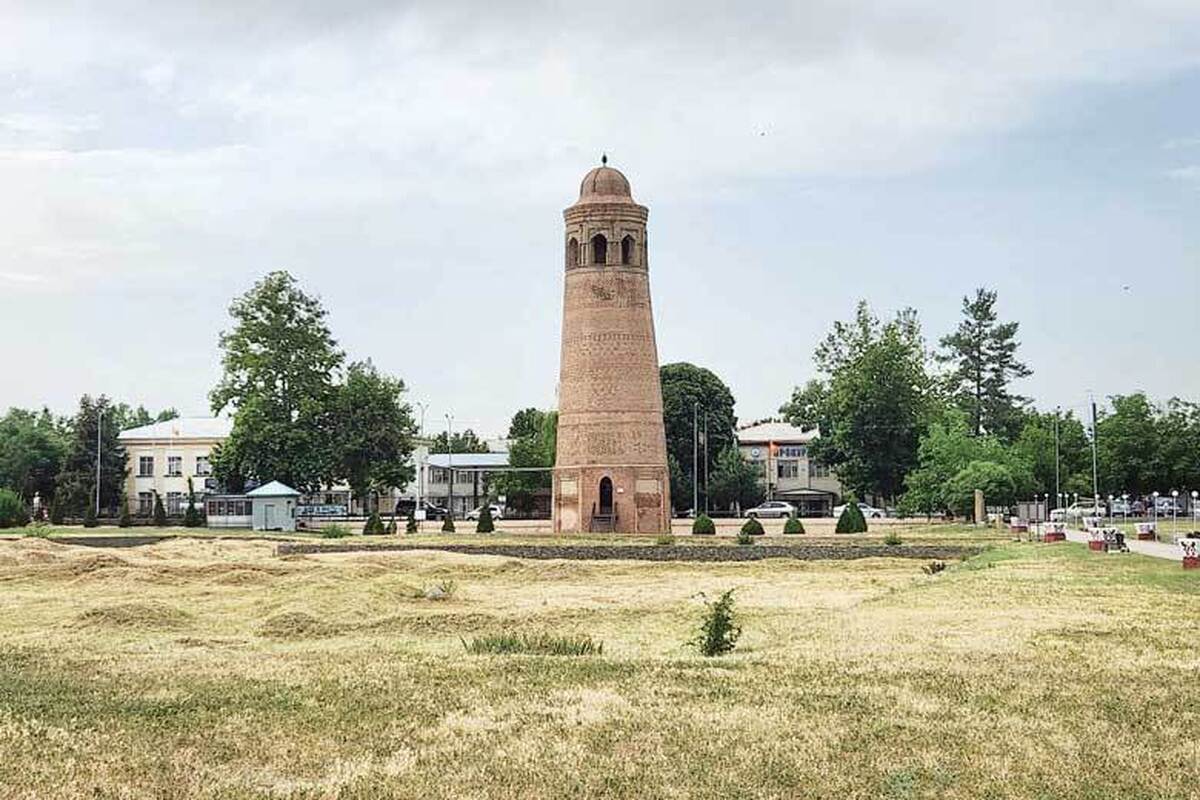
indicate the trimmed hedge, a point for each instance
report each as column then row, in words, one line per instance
column 753, row 527
column 793, row 525
column 703, row 526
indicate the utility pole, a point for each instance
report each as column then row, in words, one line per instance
column 99, row 427
column 706, row 460
column 450, row 465
column 1095, row 482
column 1057, row 497
column 695, row 460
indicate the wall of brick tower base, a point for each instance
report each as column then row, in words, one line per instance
column 640, row 496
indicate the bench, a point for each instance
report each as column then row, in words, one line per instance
column 1054, row 532
column 1146, row 531
column 1191, row 553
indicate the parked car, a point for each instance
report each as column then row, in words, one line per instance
column 1166, row 506
column 1082, row 508
column 868, row 511
column 1121, row 507
column 432, row 511
column 772, row 508
column 497, row 512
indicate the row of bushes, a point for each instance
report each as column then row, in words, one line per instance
column 851, row 521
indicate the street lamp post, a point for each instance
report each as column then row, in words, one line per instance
column 1125, row 507
column 421, row 466
column 1174, row 511
column 1195, row 511
column 450, row 465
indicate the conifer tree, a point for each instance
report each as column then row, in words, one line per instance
column 485, row 520
column 160, row 513
column 125, row 520
column 191, row 517
column 411, row 525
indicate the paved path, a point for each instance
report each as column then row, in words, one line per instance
column 1156, row 549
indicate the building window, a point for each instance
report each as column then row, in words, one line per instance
column 572, row 252
column 793, row 451
column 788, row 469
column 174, row 502
column 203, row 467
column 145, row 504
column 599, row 249
column 174, row 466
column 816, row 470
column 627, row 250
column 437, row 475
column 145, row 466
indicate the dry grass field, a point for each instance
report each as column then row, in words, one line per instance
column 204, row 668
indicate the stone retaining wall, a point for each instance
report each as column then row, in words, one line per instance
column 652, row 552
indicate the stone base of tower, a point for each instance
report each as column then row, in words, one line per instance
column 611, row 499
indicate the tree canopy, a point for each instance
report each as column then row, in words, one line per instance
column 983, row 351
column 32, row 448
column 279, row 361
column 373, row 431
column 872, row 403
column 76, row 481
column 694, row 393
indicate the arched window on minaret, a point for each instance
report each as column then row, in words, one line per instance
column 599, row 249
column 627, row 250
column 572, row 252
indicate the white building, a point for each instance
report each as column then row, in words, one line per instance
column 163, row 455
column 780, row 451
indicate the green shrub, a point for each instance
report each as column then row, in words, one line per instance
column 541, row 644
column 752, row 527
column 892, row 539
column 335, row 531
column 793, row 525
column 374, row 525
column 89, row 516
column 664, row 540
column 391, row 526
column 12, row 510
column 160, row 513
column 485, row 524
column 125, row 520
column 719, row 630
column 448, row 523
column 851, row 520
column 703, row 526
column 411, row 525
column 56, row 513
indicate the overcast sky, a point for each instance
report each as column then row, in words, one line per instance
column 409, row 164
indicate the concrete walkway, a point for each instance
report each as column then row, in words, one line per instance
column 1155, row 549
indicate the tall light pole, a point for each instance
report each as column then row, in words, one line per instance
column 450, row 464
column 706, row 460
column 1095, row 487
column 1195, row 511
column 1057, row 488
column 695, row 460
column 1174, row 511
column 99, row 427
column 421, row 466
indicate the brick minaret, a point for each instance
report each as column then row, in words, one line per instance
column 611, row 467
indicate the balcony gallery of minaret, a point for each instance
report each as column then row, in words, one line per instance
column 610, row 470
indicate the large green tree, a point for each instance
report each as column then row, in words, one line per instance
column 465, row 441
column 1129, row 446
column 32, row 448
column 872, row 403
column 1035, row 444
column 373, row 432
column 533, row 436
column 734, row 482
column 693, row 395
column 983, row 352
column 76, row 481
column 279, row 362
column 953, row 463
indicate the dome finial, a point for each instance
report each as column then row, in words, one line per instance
column 604, row 158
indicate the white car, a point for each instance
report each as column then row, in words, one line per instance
column 772, row 508
column 497, row 512
column 1077, row 511
column 870, row 512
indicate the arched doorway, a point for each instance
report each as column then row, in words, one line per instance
column 606, row 500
